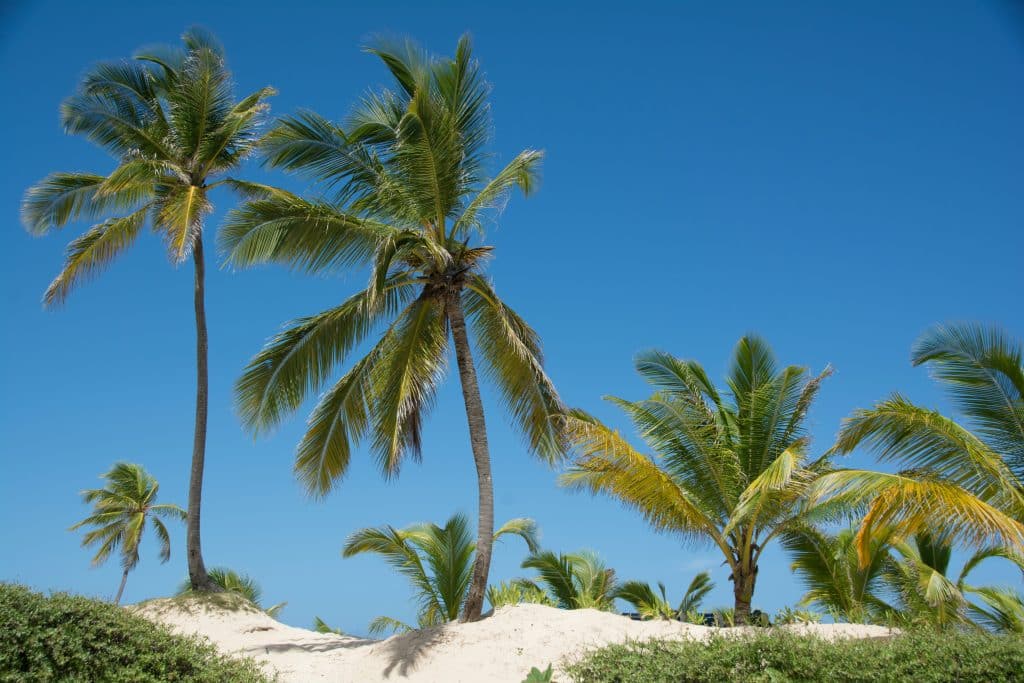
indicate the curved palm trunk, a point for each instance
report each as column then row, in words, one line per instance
column 481, row 456
column 196, row 569
column 120, row 589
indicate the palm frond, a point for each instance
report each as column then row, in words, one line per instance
column 93, row 251
column 514, row 362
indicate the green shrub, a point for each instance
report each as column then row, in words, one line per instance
column 922, row 657
column 71, row 638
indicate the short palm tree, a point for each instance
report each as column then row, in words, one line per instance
column 230, row 581
column 727, row 468
column 578, row 580
column 836, row 581
column 651, row 605
column 172, row 124
column 120, row 511
column 411, row 198
column 902, row 582
column 966, row 480
column 437, row 560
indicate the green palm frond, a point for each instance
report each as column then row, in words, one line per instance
column 514, row 363
column 298, row 360
column 984, row 371
column 695, row 593
column 321, row 626
column 382, row 625
column 522, row 172
column 92, row 252
column 1001, row 609
column 63, row 197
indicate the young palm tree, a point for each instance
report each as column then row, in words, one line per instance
column 120, row 511
column 903, row 582
column 968, row 483
column 834, row 577
column 728, row 468
column 411, row 200
column 230, row 581
column 172, row 124
column 438, row 561
column 649, row 605
column 573, row 581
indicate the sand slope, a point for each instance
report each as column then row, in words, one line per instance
column 500, row 648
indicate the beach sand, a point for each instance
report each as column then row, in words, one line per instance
column 501, row 647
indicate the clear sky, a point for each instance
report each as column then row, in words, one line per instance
column 834, row 176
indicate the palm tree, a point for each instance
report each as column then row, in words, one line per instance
column 230, row 581
column 834, row 577
column 651, row 605
column 573, row 581
column 728, row 468
column 410, row 201
column 438, row 561
column 902, row 582
column 172, row 124
column 966, row 480
column 120, row 511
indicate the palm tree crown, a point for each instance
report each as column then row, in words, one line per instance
column 170, row 120
column 731, row 468
column 120, row 511
column 408, row 197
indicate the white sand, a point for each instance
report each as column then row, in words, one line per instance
column 501, row 647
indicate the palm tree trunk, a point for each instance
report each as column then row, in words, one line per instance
column 196, row 569
column 120, row 589
column 481, row 456
column 743, row 593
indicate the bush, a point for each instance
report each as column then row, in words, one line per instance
column 779, row 656
column 71, row 638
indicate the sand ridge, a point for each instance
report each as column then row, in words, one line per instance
column 501, row 647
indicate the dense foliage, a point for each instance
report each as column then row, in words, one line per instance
column 71, row 638
column 921, row 656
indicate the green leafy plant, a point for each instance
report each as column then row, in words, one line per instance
column 517, row 591
column 652, row 606
column 170, row 120
column 120, row 511
column 410, row 196
column 321, row 626
column 437, row 560
column 775, row 655
column 729, row 468
column 789, row 615
column 578, row 580
column 538, row 676
column 231, row 581
column 65, row 637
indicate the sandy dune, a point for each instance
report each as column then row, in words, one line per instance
column 500, row 648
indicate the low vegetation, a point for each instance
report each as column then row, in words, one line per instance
column 65, row 637
column 920, row 656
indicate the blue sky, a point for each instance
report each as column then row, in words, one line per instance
column 835, row 177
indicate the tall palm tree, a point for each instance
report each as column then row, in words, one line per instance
column 410, row 200
column 651, row 605
column 579, row 580
column 966, row 480
column 230, row 581
column 120, row 511
column 727, row 468
column 170, row 120
column 438, row 561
